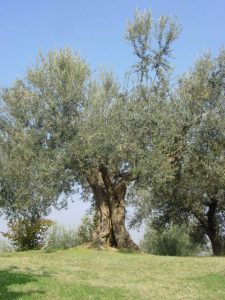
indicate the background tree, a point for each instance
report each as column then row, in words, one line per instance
column 78, row 128
column 195, row 193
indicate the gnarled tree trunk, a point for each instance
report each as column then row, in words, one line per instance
column 110, row 205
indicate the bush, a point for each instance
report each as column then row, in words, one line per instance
column 173, row 241
column 27, row 233
column 4, row 247
column 61, row 238
column 85, row 230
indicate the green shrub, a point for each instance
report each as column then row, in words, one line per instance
column 173, row 241
column 27, row 233
column 60, row 237
column 85, row 230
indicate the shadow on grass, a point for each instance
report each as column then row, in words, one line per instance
column 10, row 278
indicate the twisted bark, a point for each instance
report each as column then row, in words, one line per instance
column 109, row 196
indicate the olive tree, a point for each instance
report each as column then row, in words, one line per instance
column 83, row 129
column 192, row 147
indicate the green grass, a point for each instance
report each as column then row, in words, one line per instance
column 91, row 274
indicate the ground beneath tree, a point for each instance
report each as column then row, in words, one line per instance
column 91, row 274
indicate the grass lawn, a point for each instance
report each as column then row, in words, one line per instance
column 91, row 274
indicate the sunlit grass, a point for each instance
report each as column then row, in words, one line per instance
column 91, row 274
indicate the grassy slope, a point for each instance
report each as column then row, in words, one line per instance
column 90, row 274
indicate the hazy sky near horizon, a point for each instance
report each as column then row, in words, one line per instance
column 95, row 28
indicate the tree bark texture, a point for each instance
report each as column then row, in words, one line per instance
column 109, row 196
column 213, row 230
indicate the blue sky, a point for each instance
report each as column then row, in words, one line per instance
column 95, row 28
